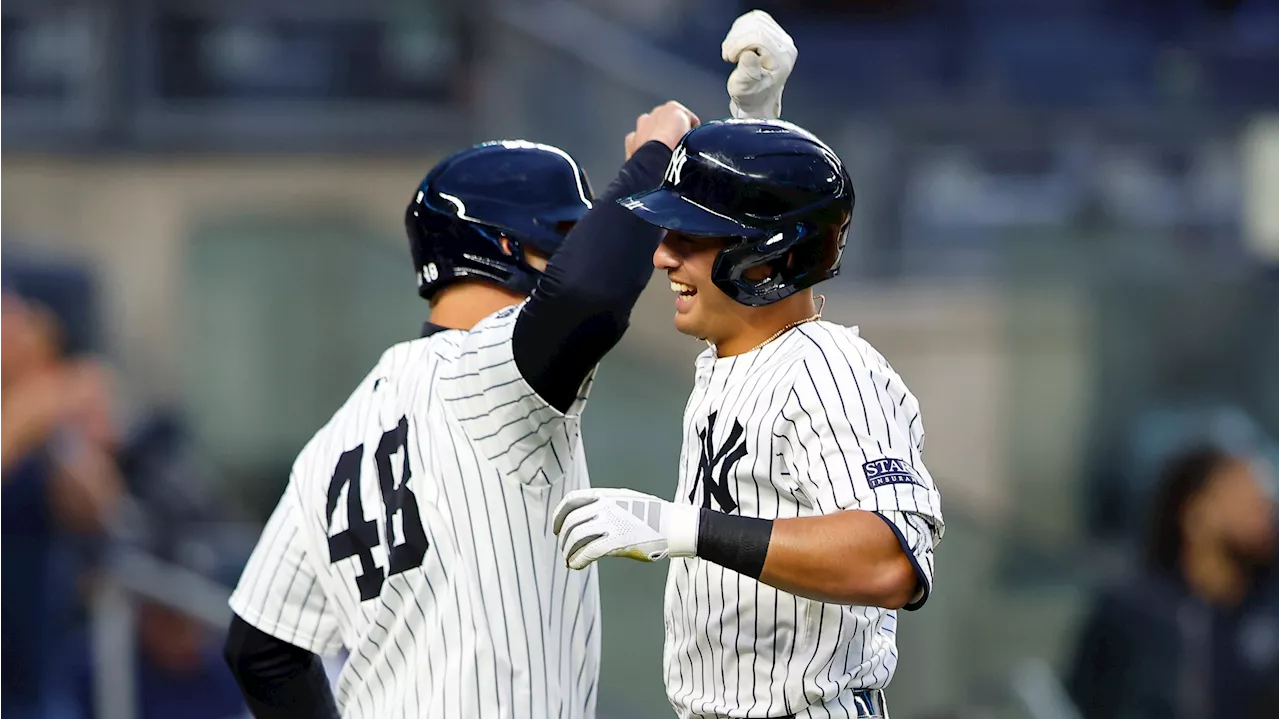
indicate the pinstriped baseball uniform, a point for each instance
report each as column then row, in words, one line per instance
column 812, row 423
column 415, row 532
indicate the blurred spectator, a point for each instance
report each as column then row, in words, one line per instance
column 177, row 516
column 1128, row 476
column 1192, row 634
column 59, row 484
column 65, row 465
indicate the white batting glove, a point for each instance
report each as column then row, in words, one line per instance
column 595, row 523
column 765, row 55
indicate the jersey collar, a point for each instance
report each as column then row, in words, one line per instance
column 429, row 328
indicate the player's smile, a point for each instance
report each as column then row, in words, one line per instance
column 684, row 296
column 687, row 260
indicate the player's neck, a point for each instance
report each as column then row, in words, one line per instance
column 762, row 323
column 464, row 304
column 1213, row 573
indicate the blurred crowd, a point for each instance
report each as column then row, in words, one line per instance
column 78, row 485
column 61, row 491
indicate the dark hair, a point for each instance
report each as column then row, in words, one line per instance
column 1182, row 478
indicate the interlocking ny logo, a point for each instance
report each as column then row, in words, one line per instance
column 726, row 457
column 676, row 166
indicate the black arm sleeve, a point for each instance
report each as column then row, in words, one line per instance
column 582, row 303
column 278, row 680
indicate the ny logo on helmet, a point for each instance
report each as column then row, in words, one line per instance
column 676, row 166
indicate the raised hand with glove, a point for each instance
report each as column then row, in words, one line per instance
column 765, row 55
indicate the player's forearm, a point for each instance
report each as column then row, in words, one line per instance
column 582, row 304
column 850, row 557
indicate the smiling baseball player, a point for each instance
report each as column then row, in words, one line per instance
column 804, row 514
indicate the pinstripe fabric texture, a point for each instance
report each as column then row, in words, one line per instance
column 448, row 449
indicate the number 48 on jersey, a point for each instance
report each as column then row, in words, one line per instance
column 361, row 535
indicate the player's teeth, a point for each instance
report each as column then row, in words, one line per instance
column 681, row 289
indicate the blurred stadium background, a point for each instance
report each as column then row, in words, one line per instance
column 1065, row 240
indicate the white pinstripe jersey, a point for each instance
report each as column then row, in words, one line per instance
column 812, row 423
column 415, row 531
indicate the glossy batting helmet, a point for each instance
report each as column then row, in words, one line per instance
column 529, row 193
column 781, row 196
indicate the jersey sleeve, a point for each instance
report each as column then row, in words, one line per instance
column 916, row 537
column 854, row 437
column 279, row 592
column 511, row 424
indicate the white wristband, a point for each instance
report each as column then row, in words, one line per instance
column 680, row 527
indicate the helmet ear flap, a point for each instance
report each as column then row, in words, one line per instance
column 798, row 258
column 729, row 272
column 821, row 252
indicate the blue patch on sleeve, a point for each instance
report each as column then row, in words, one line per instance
column 890, row 471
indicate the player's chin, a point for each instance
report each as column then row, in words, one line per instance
column 687, row 324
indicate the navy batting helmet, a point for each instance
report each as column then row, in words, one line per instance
column 529, row 193
column 781, row 196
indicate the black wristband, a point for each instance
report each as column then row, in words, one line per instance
column 734, row 542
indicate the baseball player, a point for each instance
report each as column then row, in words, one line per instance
column 804, row 515
column 415, row 527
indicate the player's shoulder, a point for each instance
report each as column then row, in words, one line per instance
column 489, row 337
column 417, row 354
column 829, row 342
column 496, row 325
column 397, row 367
column 828, row 345
column 402, row 361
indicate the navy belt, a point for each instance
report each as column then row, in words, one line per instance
column 868, row 704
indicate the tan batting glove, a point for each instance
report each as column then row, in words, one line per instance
column 765, row 55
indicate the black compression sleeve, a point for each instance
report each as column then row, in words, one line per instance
column 582, row 303
column 278, row 679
